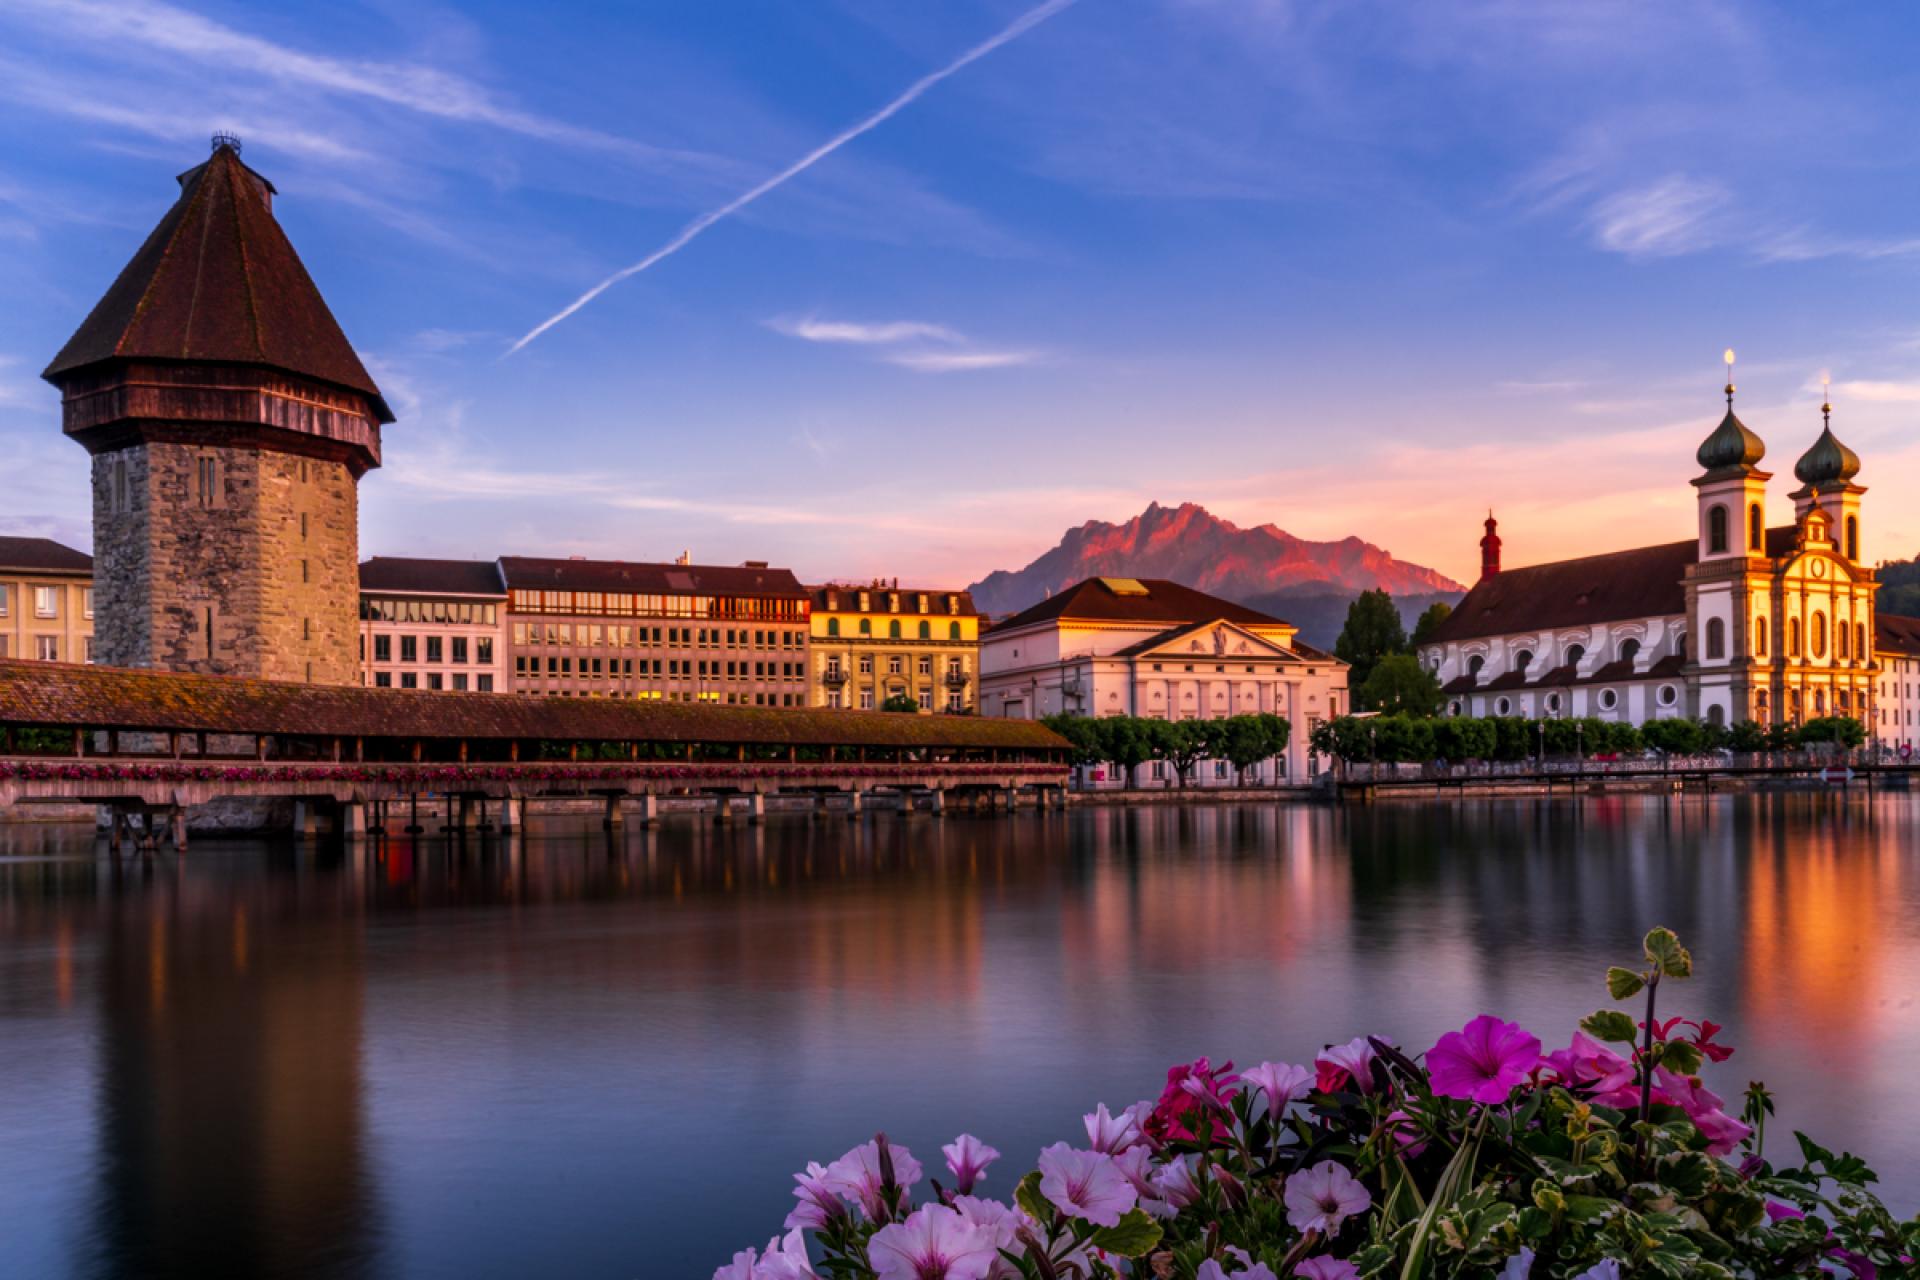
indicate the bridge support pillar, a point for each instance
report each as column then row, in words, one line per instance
column 513, row 815
column 1012, row 798
column 854, row 795
column 614, row 819
column 649, row 805
column 178, row 824
column 306, row 822
column 413, row 827
column 353, row 820
column 723, row 808
column 116, row 825
column 937, row 806
column 757, row 808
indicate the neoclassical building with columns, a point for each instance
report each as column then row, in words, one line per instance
column 1738, row 622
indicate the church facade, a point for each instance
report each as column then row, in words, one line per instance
column 1739, row 622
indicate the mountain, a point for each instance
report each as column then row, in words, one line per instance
column 1267, row 568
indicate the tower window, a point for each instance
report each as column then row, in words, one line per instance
column 206, row 478
column 303, row 571
column 1760, row 637
column 303, row 526
column 1716, row 530
column 1716, row 638
column 1853, row 537
column 1756, row 532
column 1793, row 637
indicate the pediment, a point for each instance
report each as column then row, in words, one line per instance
column 1217, row 641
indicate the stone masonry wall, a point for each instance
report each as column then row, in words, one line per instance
column 270, row 564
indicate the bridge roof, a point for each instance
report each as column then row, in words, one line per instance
column 50, row 694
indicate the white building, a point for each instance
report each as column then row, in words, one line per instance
column 433, row 624
column 1739, row 622
column 1896, row 643
column 1152, row 648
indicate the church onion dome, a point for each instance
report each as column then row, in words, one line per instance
column 1731, row 445
column 1828, row 463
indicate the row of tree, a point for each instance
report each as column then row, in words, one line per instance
column 1397, row 738
column 1127, row 742
column 1385, row 672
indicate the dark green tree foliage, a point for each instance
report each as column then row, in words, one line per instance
column 1127, row 742
column 1083, row 732
column 1842, row 731
column 1428, row 622
column 1460, row 738
column 1748, row 735
column 1399, row 684
column 1677, row 737
column 1373, row 631
column 900, row 702
column 1899, row 588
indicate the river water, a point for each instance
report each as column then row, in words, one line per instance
column 589, row 1057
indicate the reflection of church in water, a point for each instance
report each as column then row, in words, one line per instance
column 1739, row 622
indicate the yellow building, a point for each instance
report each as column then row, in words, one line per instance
column 879, row 641
column 46, row 601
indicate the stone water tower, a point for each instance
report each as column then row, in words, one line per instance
column 230, row 422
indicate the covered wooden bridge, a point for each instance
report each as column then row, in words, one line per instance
column 156, row 743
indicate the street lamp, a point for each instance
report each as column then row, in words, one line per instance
column 1579, row 750
column 1373, row 757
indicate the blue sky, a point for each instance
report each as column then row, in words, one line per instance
column 1351, row 268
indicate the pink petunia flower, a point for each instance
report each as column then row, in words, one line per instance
column 1110, row 1133
column 1588, row 1063
column 1323, row 1197
column 856, row 1176
column 1326, row 1268
column 1174, row 1182
column 1484, row 1061
column 1085, row 1184
column 819, row 1203
column 1194, row 1089
column 1211, row 1270
column 967, row 1159
column 933, row 1243
column 1003, row 1223
column 1136, row 1166
column 1341, row 1065
column 785, row 1259
column 741, row 1268
column 1281, row 1083
column 1704, row 1107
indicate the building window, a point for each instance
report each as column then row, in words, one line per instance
column 1473, row 665
column 1756, row 531
column 86, row 602
column 433, row 680
column 1502, row 707
column 833, row 626
column 483, row 651
column 1716, row 531
column 866, row 699
column 305, row 574
column 1760, row 637
column 206, row 477
column 383, row 679
column 1716, row 638
column 459, row 649
column 47, row 648
column 926, row 699
column 866, row 664
column 483, row 683
column 893, row 664
column 1609, row 699
column 1575, row 653
column 1819, row 635
column 953, row 631
column 893, row 629
column 926, row 664
column 383, row 648
column 46, row 602
column 1853, row 537
column 926, row 631
column 6, row 599
column 1522, row 660
column 408, row 680
column 434, row 649
column 1667, row 695
column 409, row 649
column 1793, row 637
column 1553, row 703
column 1842, row 639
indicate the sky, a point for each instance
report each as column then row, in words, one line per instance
column 921, row 285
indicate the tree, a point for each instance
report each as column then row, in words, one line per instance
column 1181, row 743
column 1677, row 737
column 1373, row 631
column 900, row 702
column 1428, row 622
column 1081, row 731
column 1463, row 738
column 1244, row 741
column 1746, row 735
column 1842, row 731
column 1400, row 685
column 1125, row 742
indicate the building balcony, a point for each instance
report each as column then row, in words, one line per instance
column 955, row 679
column 833, row 678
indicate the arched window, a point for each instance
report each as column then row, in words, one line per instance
column 953, row 631
column 926, row 631
column 1628, row 649
column 1716, row 714
column 1819, row 702
column 1819, row 635
column 1759, row 637
column 1474, row 664
column 893, row 629
column 1860, row 641
column 866, row 626
column 1522, row 660
column 1842, row 639
column 1756, row 530
column 1716, row 530
column 833, row 626
column 1716, row 638
column 1853, row 537
column 1760, row 706
column 1793, row 637
column 1575, row 652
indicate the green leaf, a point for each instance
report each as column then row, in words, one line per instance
column 1623, row 984
column 1682, row 1056
column 1609, row 1025
column 1027, row 1196
column 1535, row 1224
column 1591, row 1208
column 1134, row 1236
column 1666, row 954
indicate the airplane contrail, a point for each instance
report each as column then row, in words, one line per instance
column 1018, row 27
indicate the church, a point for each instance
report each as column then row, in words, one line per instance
column 1738, row 622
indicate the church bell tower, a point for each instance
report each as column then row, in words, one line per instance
column 230, row 422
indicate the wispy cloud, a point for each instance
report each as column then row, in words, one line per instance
column 1673, row 216
column 811, row 329
column 1018, row 27
column 1879, row 392
column 959, row 361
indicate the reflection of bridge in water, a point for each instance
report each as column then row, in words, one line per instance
column 150, row 745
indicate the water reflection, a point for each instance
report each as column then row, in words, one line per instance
column 607, row 1054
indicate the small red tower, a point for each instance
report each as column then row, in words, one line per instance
column 1490, row 548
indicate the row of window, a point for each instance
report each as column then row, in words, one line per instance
column 920, row 601
column 46, row 601
column 674, row 668
column 436, row 646
column 731, row 699
column 460, row 613
column 457, row 681
column 922, row 631
column 896, row 665
column 594, row 635
column 864, row 700
column 620, row 604
column 47, row 648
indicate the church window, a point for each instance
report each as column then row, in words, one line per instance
column 206, row 481
column 1793, row 637
column 1860, row 641
column 1716, row 638
column 1842, row 639
column 1716, row 714
column 1819, row 636
column 1667, row 695
column 1716, row 530
column 1522, row 660
column 1756, row 531
column 1628, row 650
column 1575, row 653
column 1760, row 637
column 1853, row 537
column 1474, row 664
column 1609, row 699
